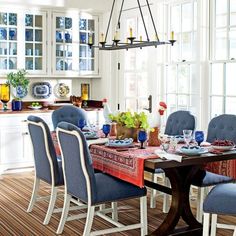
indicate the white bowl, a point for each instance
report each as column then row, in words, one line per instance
column 223, row 148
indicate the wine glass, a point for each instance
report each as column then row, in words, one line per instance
column 142, row 137
column 199, row 137
column 187, row 136
column 81, row 123
column 106, row 129
column 4, row 95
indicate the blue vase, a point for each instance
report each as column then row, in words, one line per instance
column 16, row 105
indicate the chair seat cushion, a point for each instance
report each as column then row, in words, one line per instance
column 221, row 200
column 205, row 178
column 112, row 189
column 159, row 171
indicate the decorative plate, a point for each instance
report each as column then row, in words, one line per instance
column 120, row 142
column 62, row 65
column 192, row 150
column 41, row 90
column 61, row 90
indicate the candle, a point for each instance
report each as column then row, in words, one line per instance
column 102, row 38
column 141, row 38
column 116, row 37
column 130, row 32
column 172, row 35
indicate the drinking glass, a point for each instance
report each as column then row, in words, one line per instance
column 199, row 137
column 142, row 137
column 106, row 129
column 81, row 123
column 4, row 94
column 187, row 136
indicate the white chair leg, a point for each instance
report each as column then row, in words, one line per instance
column 89, row 220
column 64, row 214
column 51, row 205
column 213, row 224
column 34, row 194
column 114, row 211
column 153, row 193
column 143, row 215
column 166, row 197
column 234, row 232
column 206, row 224
column 200, row 199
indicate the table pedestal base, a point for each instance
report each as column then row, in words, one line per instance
column 180, row 179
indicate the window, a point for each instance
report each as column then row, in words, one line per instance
column 182, row 84
column 223, row 65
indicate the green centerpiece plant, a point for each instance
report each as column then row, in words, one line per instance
column 128, row 123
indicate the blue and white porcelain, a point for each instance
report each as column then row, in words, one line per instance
column 192, row 150
column 41, row 90
column 120, row 142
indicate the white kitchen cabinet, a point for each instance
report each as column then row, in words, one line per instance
column 15, row 143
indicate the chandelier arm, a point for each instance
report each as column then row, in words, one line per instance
column 109, row 22
column 150, row 12
column 121, row 8
column 139, row 6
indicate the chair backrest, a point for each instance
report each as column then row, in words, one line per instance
column 70, row 114
column 178, row 121
column 45, row 159
column 76, row 162
column 222, row 127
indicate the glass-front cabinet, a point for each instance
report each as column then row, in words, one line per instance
column 35, row 42
column 48, row 43
column 8, row 40
column 71, row 35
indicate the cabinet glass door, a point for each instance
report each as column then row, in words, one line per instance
column 63, row 38
column 8, row 41
column 86, row 54
column 34, row 42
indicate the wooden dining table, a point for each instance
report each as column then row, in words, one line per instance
column 181, row 175
column 130, row 164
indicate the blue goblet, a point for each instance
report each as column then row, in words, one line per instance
column 142, row 137
column 81, row 123
column 12, row 34
column 106, row 129
column 199, row 137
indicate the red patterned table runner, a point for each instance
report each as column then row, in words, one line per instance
column 227, row 168
column 127, row 165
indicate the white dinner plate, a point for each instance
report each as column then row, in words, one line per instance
column 120, row 142
column 192, row 151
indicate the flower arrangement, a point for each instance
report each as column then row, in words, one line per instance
column 128, row 124
column 19, row 82
column 131, row 120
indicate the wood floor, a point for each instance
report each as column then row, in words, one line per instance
column 15, row 192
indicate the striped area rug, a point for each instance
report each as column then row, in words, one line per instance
column 15, row 192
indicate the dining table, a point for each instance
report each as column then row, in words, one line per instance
column 129, row 164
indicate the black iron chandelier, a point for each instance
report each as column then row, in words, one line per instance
column 131, row 41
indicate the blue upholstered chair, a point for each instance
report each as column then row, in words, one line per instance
column 220, row 127
column 221, row 200
column 47, row 168
column 70, row 114
column 176, row 123
column 82, row 183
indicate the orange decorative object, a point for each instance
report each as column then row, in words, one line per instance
column 153, row 138
column 4, row 94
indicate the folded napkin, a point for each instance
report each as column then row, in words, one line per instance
column 97, row 141
column 168, row 156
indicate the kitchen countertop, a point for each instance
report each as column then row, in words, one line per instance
column 35, row 111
